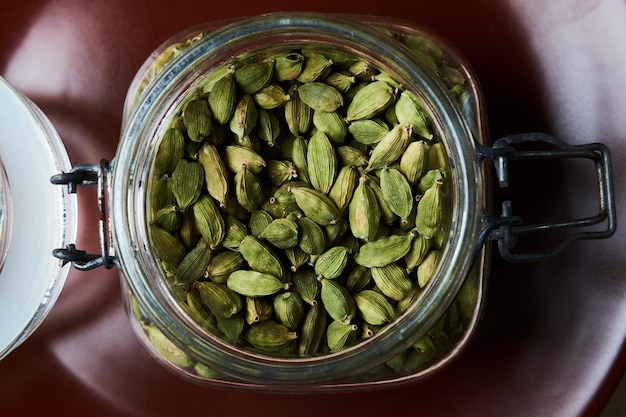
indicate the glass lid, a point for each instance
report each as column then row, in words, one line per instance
column 35, row 217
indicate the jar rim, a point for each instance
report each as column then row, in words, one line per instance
column 130, row 167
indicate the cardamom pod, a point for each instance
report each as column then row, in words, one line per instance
column 244, row 118
column 391, row 147
column 267, row 127
column 259, row 219
column 343, row 188
column 167, row 246
column 258, row 309
column 341, row 81
column 170, row 151
column 332, row 263
column 209, row 221
column 261, row 258
column 166, row 348
column 364, row 212
column 270, row 97
column 419, row 248
column 198, row 312
column 253, row 283
column 282, row 233
column 161, row 194
column 235, row 232
column 223, row 98
column 188, row 232
column 429, row 210
column 194, row 264
column 253, row 76
column 289, row 309
column 305, row 283
column 321, row 162
column 198, row 119
column 168, row 218
column 231, row 327
column 221, row 300
column 299, row 157
column 320, row 97
column 374, row 307
column 368, row 131
column 313, row 330
column 312, row 237
column 215, row 173
column 396, row 191
column 428, row 179
column 351, row 156
column 316, row 205
column 297, row 257
column 248, row 189
column 280, row 172
column 298, row 115
column 392, row 280
column 287, row 66
column 410, row 109
column 187, row 182
column 370, row 100
column 337, row 301
column 340, row 335
column 414, row 160
column 222, row 264
column 332, row 124
column 410, row 299
column 384, row 251
column 427, row 268
column 386, row 214
column 269, row 334
column 315, row 66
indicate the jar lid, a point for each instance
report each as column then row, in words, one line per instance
column 35, row 217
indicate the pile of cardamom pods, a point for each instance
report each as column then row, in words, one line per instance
column 299, row 201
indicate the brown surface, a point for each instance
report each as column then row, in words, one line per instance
column 551, row 340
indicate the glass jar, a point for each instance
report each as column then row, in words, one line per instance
column 425, row 335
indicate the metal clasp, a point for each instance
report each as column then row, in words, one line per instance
column 89, row 174
column 508, row 227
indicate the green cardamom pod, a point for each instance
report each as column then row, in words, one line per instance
column 305, row 283
column 253, row 76
column 413, row 161
column 209, row 221
column 280, row 172
column 340, row 335
column 248, row 190
column 364, row 212
column 396, row 191
column 426, row 49
column 244, row 118
column 188, row 232
column 167, row 246
column 368, row 131
column 335, row 232
column 298, row 115
column 161, row 195
column 320, row 97
column 341, row 81
column 410, row 299
column 221, row 300
column 166, row 348
column 282, row 233
column 437, row 157
column 231, row 327
column 253, row 283
column 410, row 109
column 391, row 147
column 299, row 157
column 236, row 231
column 332, row 124
column 223, row 264
column 168, row 218
column 287, row 66
column 267, row 127
column 384, row 251
column 374, row 307
column 370, row 100
column 322, row 162
column 297, row 257
column 430, row 210
column 237, row 157
column 419, row 248
column 270, row 97
column 258, row 309
column 427, row 268
column 194, row 264
column 337, row 301
column 223, row 99
column 198, row 312
column 316, row 205
column 428, row 179
column 358, row 278
column 259, row 219
column 392, row 280
column 312, row 237
column 361, row 69
column 269, row 334
column 332, row 263
column 215, row 173
column 315, row 66
column 386, row 214
column 289, row 309
column 261, row 258
column 313, row 330
column 187, row 182
column 342, row 190
column 351, row 156
column 170, row 151
column 198, row 119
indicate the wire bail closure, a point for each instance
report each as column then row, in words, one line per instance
column 506, row 228
column 89, row 174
